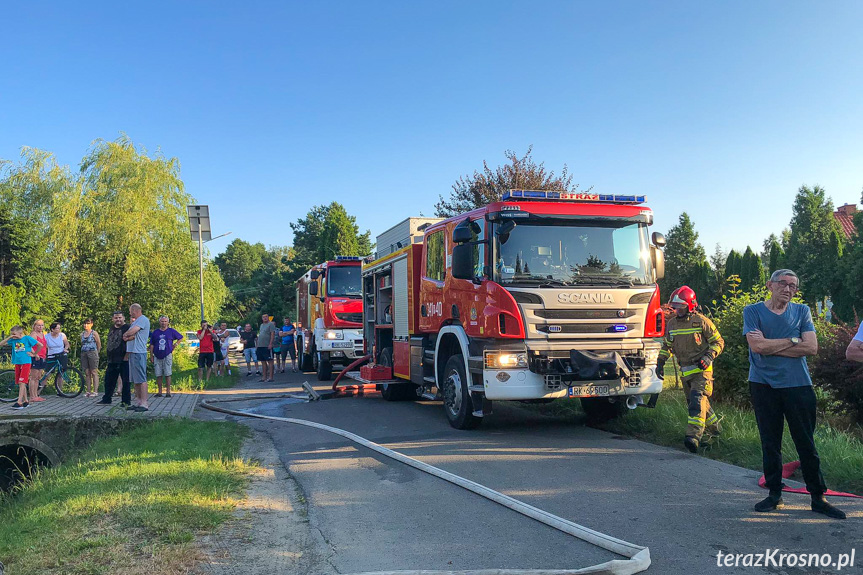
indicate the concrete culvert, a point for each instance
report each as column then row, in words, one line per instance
column 20, row 458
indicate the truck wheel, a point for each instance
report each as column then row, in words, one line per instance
column 389, row 391
column 599, row 409
column 456, row 396
column 324, row 367
column 305, row 360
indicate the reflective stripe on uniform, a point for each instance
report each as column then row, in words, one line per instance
column 712, row 419
column 691, row 369
column 696, row 421
column 685, row 331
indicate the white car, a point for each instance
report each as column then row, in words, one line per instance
column 234, row 341
column 190, row 338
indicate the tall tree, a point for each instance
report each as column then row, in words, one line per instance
column 685, row 259
column 775, row 257
column 122, row 231
column 717, row 264
column 486, row 186
column 326, row 232
column 765, row 248
column 733, row 264
column 240, row 261
column 751, row 270
column 815, row 244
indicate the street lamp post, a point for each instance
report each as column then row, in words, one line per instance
column 199, row 226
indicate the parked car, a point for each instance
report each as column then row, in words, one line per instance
column 235, row 342
column 190, row 339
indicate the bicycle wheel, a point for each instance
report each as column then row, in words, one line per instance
column 71, row 384
column 8, row 387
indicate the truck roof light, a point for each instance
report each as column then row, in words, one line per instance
column 572, row 197
column 348, row 258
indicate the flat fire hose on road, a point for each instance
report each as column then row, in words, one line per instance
column 638, row 557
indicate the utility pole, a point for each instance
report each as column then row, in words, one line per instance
column 199, row 227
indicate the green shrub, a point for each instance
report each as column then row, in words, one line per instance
column 840, row 379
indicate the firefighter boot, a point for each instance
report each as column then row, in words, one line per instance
column 712, row 427
column 691, row 444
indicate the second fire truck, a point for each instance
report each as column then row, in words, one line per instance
column 542, row 295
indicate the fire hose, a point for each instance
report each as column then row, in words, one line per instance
column 637, row 557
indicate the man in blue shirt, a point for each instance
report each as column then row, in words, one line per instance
column 780, row 336
column 287, row 333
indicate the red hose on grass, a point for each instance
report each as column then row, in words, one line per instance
column 356, row 363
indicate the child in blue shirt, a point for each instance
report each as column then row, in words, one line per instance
column 24, row 349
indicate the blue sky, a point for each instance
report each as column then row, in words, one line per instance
column 721, row 109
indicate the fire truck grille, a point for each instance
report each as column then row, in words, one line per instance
column 586, row 328
column 352, row 317
column 584, row 313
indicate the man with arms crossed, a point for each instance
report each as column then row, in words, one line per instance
column 780, row 336
column 136, row 338
column 266, row 337
column 854, row 351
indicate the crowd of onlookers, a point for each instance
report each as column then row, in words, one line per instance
column 127, row 348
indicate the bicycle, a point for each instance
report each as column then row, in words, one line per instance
column 68, row 382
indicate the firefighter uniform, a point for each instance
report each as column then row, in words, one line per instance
column 691, row 338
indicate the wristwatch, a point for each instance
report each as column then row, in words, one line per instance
column 795, row 340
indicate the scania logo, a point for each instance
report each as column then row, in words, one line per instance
column 585, row 297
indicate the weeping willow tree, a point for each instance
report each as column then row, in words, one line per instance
column 120, row 230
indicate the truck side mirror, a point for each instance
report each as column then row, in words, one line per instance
column 658, row 257
column 462, row 261
column 313, row 288
column 462, row 233
column 315, row 274
column 658, row 240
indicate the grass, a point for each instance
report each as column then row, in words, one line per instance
column 129, row 504
column 841, row 453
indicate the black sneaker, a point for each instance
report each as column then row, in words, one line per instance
column 770, row 503
column 103, row 402
column 249, row 374
column 820, row 505
column 19, row 406
column 691, row 444
column 257, row 373
column 140, row 408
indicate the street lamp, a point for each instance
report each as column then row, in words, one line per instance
column 199, row 226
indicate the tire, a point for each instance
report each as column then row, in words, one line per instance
column 600, row 409
column 8, row 387
column 324, row 369
column 305, row 360
column 71, row 384
column 456, row 396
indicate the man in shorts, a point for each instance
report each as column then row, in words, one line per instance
column 206, row 355
column 23, row 347
column 136, row 338
column 249, row 338
column 162, row 350
column 266, row 337
column 223, row 348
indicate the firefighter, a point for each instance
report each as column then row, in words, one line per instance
column 696, row 342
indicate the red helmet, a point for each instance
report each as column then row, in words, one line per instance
column 684, row 295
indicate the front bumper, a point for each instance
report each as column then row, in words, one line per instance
column 514, row 384
column 347, row 349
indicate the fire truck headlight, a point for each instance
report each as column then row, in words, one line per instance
column 501, row 360
column 333, row 335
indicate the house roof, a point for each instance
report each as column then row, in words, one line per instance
column 846, row 223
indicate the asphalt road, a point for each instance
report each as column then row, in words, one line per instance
column 378, row 514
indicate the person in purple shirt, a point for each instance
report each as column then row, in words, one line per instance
column 162, row 350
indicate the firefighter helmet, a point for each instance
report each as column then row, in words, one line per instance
column 684, row 295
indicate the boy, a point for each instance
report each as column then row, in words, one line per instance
column 23, row 347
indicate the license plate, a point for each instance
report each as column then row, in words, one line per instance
column 588, row 390
column 342, row 344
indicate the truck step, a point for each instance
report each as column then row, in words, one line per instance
column 476, row 388
column 429, row 379
column 430, row 397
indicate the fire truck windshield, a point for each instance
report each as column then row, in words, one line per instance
column 344, row 281
column 599, row 253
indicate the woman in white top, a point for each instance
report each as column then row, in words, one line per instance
column 58, row 346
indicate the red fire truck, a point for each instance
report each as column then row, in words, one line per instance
column 330, row 309
column 542, row 295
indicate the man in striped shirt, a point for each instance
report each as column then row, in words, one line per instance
column 693, row 339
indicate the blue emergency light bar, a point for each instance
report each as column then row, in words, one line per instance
column 348, row 258
column 571, row 197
